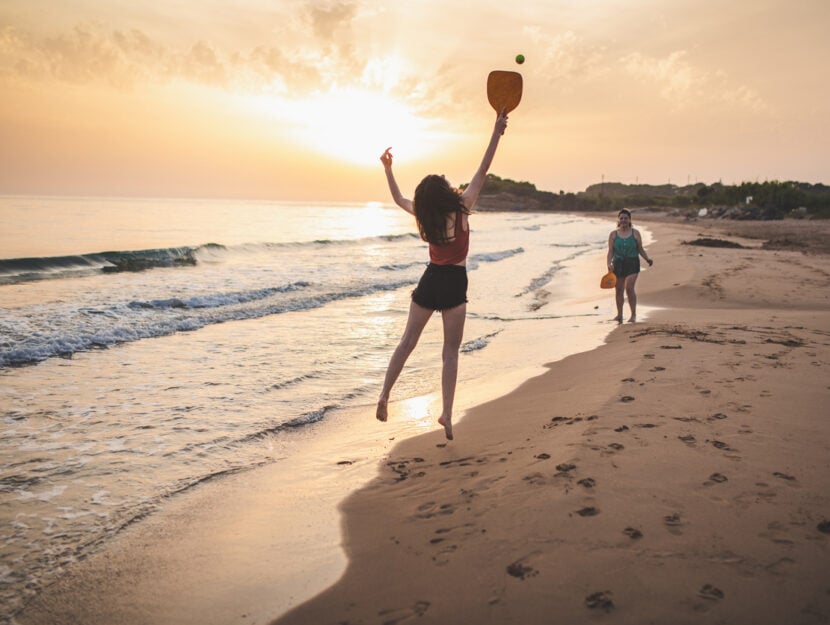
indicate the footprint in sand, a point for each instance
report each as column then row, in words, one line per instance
column 722, row 445
column 654, row 369
column 616, row 446
column 535, row 478
column 401, row 467
column 633, row 533
column 622, row 428
column 600, row 601
column 542, row 456
column 673, row 523
column 782, row 566
column 564, row 468
column 784, row 476
column 626, row 398
column 443, row 557
column 824, row 527
column 588, row 511
column 555, row 421
column 715, row 478
column 428, row 510
column 587, row 482
column 689, row 439
column 710, row 592
column 462, row 462
column 777, row 533
column 445, row 508
column 517, row 569
column 393, row 616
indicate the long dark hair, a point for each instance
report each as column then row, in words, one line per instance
column 434, row 201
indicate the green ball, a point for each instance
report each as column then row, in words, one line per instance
column 520, row 58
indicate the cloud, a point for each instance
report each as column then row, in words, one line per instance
column 272, row 66
column 326, row 21
column 679, row 82
column 317, row 50
column 566, row 57
column 202, row 64
column 79, row 56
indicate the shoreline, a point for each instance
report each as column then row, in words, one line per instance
column 199, row 560
column 491, row 510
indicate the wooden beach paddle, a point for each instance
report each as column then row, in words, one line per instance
column 504, row 90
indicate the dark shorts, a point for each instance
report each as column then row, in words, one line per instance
column 626, row 266
column 441, row 287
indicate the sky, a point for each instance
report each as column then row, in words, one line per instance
column 297, row 99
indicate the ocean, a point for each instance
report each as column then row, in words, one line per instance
column 149, row 345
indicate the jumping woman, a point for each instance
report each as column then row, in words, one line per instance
column 442, row 216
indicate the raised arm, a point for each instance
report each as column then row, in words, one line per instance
column 400, row 200
column 470, row 194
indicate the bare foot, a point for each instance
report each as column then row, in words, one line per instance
column 632, row 319
column 381, row 413
column 618, row 318
column 447, row 423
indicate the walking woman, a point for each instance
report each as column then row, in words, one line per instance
column 441, row 214
column 625, row 246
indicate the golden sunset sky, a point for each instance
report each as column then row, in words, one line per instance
column 296, row 99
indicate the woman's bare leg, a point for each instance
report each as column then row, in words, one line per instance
column 620, row 296
column 630, row 281
column 453, row 332
column 418, row 317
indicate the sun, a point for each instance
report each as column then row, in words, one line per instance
column 356, row 125
column 351, row 124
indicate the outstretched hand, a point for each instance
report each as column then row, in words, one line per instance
column 501, row 121
column 386, row 158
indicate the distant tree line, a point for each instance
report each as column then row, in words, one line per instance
column 758, row 200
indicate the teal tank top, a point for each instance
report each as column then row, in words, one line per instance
column 625, row 248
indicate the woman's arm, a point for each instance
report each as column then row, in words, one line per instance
column 641, row 249
column 470, row 194
column 610, row 258
column 400, row 200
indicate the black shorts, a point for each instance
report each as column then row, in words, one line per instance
column 441, row 287
column 626, row 266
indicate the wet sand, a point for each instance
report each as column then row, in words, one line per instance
column 677, row 474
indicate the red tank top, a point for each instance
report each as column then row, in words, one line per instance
column 455, row 251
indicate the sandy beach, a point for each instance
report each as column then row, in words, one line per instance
column 677, row 474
